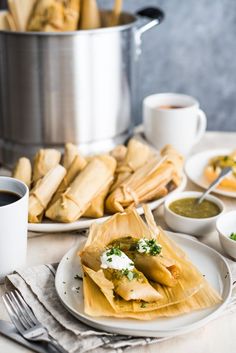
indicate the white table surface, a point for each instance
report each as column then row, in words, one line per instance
column 216, row 337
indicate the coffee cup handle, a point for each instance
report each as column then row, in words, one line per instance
column 202, row 124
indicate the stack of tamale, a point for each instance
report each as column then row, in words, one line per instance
column 91, row 186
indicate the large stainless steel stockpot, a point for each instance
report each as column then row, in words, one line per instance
column 78, row 86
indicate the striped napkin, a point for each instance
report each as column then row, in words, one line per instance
column 37, row 286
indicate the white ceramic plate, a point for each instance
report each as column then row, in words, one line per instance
column 208, row 261
column 196, row 164
column 83, row 223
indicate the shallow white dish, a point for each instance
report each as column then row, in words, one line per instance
column 225, row 225
column 50, row 227
column 196, row 164
column 208, row 261
column 195, row 226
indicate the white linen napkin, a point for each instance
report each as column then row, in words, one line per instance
column 37, row 286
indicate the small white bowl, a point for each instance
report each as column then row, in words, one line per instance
column 194, row 226
column 225, row 225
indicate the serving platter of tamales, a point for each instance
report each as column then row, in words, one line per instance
column 131, row 277
column 69, row 191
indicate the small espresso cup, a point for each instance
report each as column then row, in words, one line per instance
column 14, row 196
column 176, row 119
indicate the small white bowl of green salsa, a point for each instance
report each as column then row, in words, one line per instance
column 182, row 214
column 226, row 227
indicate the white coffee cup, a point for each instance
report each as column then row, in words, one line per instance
column 13, row 227
column 176, row 119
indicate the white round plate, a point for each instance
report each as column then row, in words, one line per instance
column 196, row 164
column 83, row 223
column 207, row 260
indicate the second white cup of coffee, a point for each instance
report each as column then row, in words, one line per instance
column 172, row 118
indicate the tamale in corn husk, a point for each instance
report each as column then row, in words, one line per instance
column 71, row 14
column 191, row 292
column 143, row 185
column 115, row 16
column 46, row 12
column 96, row 209
column 156, row 268
column 21, row 11
column 94, row 178
column 43, row 191
column 90, row 15
column 150, row 181
column 4, row 24
column 23, row 171
column 76, row 166
column 119, row 153
column 44, row 160
column 137, row 155
column 71, row 151
column 10, row 21
column 174, row 158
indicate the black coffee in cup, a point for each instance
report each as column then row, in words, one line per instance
column 8, row 197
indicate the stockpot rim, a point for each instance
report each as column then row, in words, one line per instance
column 133, row 20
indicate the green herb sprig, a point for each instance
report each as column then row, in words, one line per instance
column 233, row 236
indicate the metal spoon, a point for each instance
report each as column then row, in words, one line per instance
column 222, row 175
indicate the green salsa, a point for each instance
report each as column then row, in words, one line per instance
column 188, row 207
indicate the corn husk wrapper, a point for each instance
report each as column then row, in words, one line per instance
column 151, row 181
column 43, row 191
column 86, row 186
column 115, row 17
column 21, row 11
column 77, row 165
column 119, row 153
column 71, row 15
column 71, row 151
column 137, row 155
column 174, row 158
column 4, row 24
column 96, row 209
column 191, row 292
column 44, row 160
column 90, row 16
column 46, row 12
column 23, row 171
column 143, row 185
column 10, row 21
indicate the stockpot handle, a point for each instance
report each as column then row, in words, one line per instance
column 155, row 16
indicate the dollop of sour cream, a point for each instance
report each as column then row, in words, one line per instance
column 116, row 260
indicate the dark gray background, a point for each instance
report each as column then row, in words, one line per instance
column 193, row 51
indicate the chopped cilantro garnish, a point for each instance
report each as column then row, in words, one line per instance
column 129, row 274
column 149, row 246
column 114, row 251
column 233, row 236
column 143, row 305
